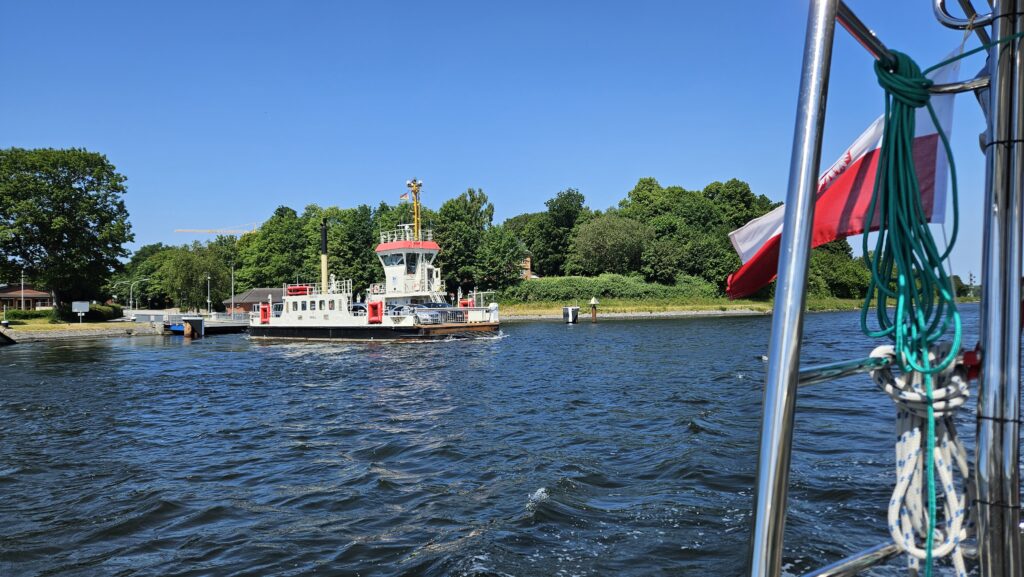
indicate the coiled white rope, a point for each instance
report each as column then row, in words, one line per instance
column 908, row 511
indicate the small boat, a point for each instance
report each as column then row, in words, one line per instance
column 410, row 304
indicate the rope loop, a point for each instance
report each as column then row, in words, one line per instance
column 904, row 81
column 908, row 513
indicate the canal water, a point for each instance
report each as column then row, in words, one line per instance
column 621, row 448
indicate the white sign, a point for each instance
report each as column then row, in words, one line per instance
column 80, row 307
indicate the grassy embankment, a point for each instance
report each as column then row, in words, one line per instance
column 618, row 305
column 48, row 325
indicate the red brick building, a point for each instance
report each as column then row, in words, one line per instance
column 249, row 301
column 12, row 297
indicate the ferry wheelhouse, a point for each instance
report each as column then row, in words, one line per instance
column 410, row 304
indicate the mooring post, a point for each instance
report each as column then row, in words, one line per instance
column 593, row 310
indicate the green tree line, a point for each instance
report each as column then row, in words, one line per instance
column 63, row 221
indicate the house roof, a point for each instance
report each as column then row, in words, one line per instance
column 256, row 295
column 10, row 290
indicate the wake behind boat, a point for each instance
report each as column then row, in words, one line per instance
column 409, row 305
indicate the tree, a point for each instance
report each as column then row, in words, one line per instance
column 547, row 234
column 842, row 275
column 273, row 255
column 661, row 260
column 709, row 255
column 63, row 219
column 959, row 288
column 609, row 243
column 184, row 273
column 144, row 264
column 461, row 224
column 737, row 202
column 499, row 259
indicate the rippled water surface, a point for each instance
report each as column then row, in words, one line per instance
column 622, row 448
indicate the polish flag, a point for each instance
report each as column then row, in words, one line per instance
column 844, row 193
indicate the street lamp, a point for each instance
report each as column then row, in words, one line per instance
column 115, row 285
column 208, row 309
column 131, row 291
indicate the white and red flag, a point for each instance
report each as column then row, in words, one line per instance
column 844, row 193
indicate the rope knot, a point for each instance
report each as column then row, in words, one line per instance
column 904, row 80
column 911, row 519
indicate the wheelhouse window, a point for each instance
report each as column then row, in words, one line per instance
column 295, row 305
column 322, row 306
column 303, row 305
column 312, row 305
column 410, row 263
column 393, row 259
column 330, row 304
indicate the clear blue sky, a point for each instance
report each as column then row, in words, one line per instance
column 218, row 112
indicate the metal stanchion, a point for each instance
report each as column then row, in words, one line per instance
column 787, row 321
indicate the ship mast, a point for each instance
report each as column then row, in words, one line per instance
column 414, row 187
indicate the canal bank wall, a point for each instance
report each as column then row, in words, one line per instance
column 121, row 330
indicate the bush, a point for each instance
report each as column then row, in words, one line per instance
column 97, row 313
column 103, row 313
column 20, row 315
column 579, row 288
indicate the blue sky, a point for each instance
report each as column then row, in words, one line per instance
column 218, row 112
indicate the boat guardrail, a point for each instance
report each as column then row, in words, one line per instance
column 403, row 234
column 450, row 315
column 315, row 288
column 408, row 286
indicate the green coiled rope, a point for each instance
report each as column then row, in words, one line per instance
column 907, row 265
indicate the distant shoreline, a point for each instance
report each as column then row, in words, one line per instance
column 636, row 315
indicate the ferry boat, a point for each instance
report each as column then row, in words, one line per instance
column 410, row 304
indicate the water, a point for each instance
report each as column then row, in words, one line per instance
column 622, row 448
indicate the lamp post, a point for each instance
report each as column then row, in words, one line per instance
column 115, row 285
column 131, row 292
column 208, row 309
column 22, row 288
column 232, row 290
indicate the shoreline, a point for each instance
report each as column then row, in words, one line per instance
column 636, row 315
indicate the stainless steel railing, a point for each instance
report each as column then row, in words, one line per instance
column 404, row 234
column 996, row 474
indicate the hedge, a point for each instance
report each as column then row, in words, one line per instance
column 97, row 313
column 569, row 288
column 23, row 315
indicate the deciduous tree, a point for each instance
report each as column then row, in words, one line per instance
column 499, row 259
column 461, row 224
column 609, row 243
column 62, row 219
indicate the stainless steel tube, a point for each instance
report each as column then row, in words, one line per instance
column 996, row 480
column 823, row 373
column 949, row 21
column 862, row 34
column 787, row 322
column 979, row 31
column 962, row 86
column 858, row 562
column 1012, row 313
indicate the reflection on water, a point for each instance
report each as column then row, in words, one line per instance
column 622, row 448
